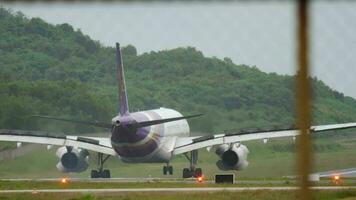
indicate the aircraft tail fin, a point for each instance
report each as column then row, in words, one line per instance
column 123, row 102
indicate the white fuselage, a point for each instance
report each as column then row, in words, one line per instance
column 150, row 144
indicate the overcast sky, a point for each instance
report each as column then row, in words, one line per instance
column 259, row 34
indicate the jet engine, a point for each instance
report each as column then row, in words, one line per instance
column 72, row 159
column 232, row 156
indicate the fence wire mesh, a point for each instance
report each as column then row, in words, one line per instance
column 261, row 34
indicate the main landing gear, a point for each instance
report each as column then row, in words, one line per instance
column 192, row 171
column 101, row 173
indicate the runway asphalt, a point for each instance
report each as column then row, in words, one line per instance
column 194, row 189
column 124, row 180
column 152, row 180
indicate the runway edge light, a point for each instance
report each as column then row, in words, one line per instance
column 200, row 179
column 64, row 180
column 336, row 178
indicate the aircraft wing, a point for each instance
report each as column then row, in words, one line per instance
column 343, row 172
column 96, row 144
column 187, row 144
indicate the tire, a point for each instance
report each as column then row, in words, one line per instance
column 187, row 173
column 198, row 172
column 170, row 170
column 106, row 174
column 94, row 174
column 165, row 170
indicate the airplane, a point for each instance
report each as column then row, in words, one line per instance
column 151, row 136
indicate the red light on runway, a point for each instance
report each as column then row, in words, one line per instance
column 200, row 179
column 64, row 180
column 336, row 179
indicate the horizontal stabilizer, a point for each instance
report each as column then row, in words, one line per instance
column 98, row 124
column 131, row 125
column 160, row 121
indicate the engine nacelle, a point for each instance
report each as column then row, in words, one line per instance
column 232, row 157
column 72, row 159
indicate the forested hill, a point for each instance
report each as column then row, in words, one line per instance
column 56, row 70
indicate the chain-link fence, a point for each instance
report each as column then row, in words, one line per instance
column 263, row 35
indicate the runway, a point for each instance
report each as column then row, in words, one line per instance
column 167, row 180
column 152, row 180
column 173, row 190
column 114, row 180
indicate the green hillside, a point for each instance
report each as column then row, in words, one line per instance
column 56, row 70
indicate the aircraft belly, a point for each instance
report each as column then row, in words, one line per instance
column 147, row 154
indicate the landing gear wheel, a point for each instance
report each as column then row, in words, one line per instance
column 187, row 173
column 94, row 174
column 105, row 173
column 198, row 172
column 170, row 170
column 100, row 174
column 165, row 170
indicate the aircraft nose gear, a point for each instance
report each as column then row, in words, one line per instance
column 192, row 171
column 167, row 170
column 101, row 173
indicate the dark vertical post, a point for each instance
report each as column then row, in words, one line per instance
column 303, row 99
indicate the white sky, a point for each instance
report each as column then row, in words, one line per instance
column 258, row 33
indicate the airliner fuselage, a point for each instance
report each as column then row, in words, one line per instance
column 147, row 144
